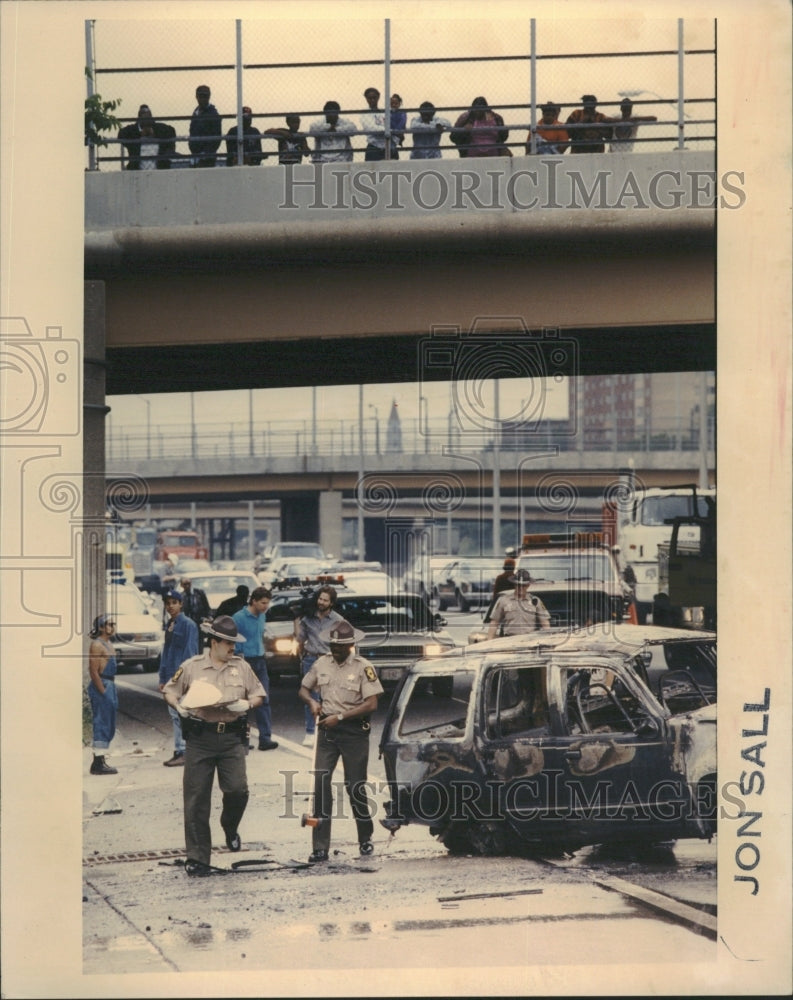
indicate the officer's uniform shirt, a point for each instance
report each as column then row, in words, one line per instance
column 343, row 686
column 234, row 680
column 520, row 614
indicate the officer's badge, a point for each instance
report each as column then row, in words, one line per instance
column 370, row 672
column 350, row 677
column 234, row 672
column 178, row 674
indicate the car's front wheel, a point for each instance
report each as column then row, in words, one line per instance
column 462, row 603
column 485, row 839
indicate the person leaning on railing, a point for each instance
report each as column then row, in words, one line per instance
column 480, row 131
column 427, row 128
column 149, row 144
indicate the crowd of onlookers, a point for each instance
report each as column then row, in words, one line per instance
column 478, row 131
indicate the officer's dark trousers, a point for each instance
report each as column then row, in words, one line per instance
column 207, row 752
column 350, row 743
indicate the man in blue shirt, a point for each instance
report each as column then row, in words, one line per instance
column 250, row 623
column 181, row 642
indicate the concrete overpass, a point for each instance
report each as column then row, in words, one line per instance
column 338, row 273
column 419, row 270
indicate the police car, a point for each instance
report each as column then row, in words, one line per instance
column 398, row 627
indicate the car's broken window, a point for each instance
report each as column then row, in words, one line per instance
column 598, row 701
column 517, row 702
column 437, row 717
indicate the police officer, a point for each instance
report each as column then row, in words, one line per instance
column 216, row 734
column 348, row 687
column 517, row 611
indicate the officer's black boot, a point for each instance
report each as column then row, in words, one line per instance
column 98, row 766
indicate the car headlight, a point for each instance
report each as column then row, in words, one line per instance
column 284, row 646
column 434, row 649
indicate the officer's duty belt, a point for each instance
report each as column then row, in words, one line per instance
column 235, row 726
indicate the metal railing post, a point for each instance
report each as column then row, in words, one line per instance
column 89, row 82
column 681, row 139
column 387, row 98
column 240, row 140
column 533, row 85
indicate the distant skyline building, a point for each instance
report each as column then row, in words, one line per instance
column 660, row 408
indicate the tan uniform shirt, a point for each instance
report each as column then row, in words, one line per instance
column 234, row 680
column 344, row 686
column 520, row 615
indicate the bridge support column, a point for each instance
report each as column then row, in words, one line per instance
column 330, row 518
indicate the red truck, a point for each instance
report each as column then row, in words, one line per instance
column 185, row 544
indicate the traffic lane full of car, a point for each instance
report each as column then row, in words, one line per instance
column 555, row 741
column 139, row 635
column 398, row 628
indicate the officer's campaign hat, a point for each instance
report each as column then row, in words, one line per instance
column 223, row 627
column 521, row 576
column 343, row 634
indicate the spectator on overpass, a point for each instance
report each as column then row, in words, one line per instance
column 480, row 131
column 552, row 136
column 149, row 144
column 430, row 126
column 592, row 127
column 205, row 130
column 252, row 154
column 292, row 146
column 626, row 127
column 332, row 136
column 373, row 125
column 398, row 123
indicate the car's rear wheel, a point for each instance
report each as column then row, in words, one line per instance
column 150, row 666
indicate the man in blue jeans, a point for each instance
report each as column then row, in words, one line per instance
column 181, row 642
column 311, row 632
column 250, row 622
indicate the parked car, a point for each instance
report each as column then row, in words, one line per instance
column 139, row 637
column 575, row 737
column 467, row 582
column 398, row 628
column 420, row 576
column 281, row 551
column 220, row 584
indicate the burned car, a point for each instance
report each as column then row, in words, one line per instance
column 558, row 740
column 398, row 627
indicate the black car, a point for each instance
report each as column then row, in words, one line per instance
column 398, row 628
column 558, row 740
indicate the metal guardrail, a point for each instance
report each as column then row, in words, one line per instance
column 521, row 116
column 344, row 438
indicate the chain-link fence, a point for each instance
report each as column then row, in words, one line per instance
column 665, row 68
